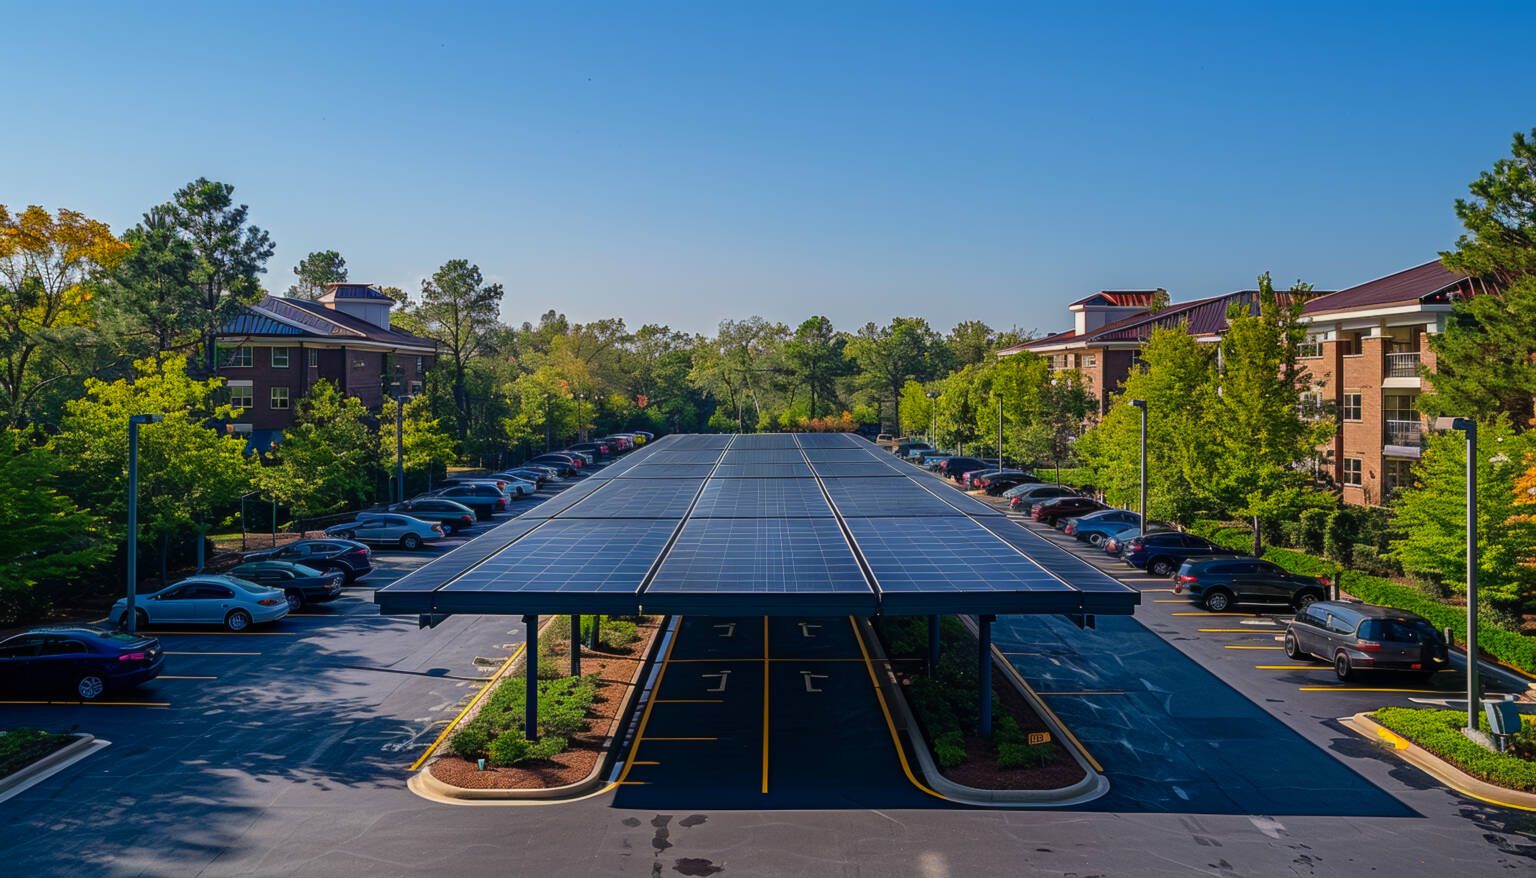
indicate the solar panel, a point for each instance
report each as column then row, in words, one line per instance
column 948, row 558
column 638, row 498
column 693, row 441
column 863, row 469
column 570, row 556
column 763, row 471
column 565, row 499
column 828, row 440
column 865, row 498
column 700, row 456
column 763, row 440
column 668, row 471
column 829, row 455
column 761, row 498
column 792, row 556
column 763, row 455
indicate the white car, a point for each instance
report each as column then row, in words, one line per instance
column 235, row 603
column 388, row 528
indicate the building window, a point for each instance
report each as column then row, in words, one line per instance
column 415, row 388
column 1312, row 347
column 1350, row 410
column 1090, row 360
column 240, row 429
column 1311, row 404
column 279, row 397
column 1398, row 474
column 279, row 358
column 1350, row 343
column 238, row 358
column 314, row 358
column 421, row 365
column 240, row 395
column 1352, row 471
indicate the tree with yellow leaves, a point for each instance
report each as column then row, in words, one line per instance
column 48, row 263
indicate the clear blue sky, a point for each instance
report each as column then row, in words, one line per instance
column 686, row 162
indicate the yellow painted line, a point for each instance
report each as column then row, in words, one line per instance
column 1169, row 601
column 1233, row 631
column 773, row 659
column 168, row 652
column 1204, row 613
column 437, row 742
column 1369, row 689
column 690, row 700
column 175, row 677
column 645, row 715
column 96, row 703
column 1085, row 692
column 1293, row 667
column 1166, row 590
column 221, row 633
column 1047, row 708
column 885, row 710
column 1236, row 646
column 765, row 705
column 679, row 739
column 1397, row 741
column 646, row 762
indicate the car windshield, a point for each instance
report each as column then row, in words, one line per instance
column 305, row 570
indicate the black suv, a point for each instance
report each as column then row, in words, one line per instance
column 1219, row 583
column 486, row 499
column 353, row 559
column 1160, row 554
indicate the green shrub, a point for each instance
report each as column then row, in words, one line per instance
column 949, row 749
column 617, row 635
column 1017, row 755
column 1006, row 731
column 1439, row 732
column 1313, row 523
column 1290, row 534
column 472, row 739
column 509, row 748
column 1341, row 534
column 1369, row 559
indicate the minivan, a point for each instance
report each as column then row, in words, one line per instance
column 1360, row 637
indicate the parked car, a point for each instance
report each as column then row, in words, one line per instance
column 646, row 435
column 1116, row 543
column 1360, row 637
column 597, row 450
column 975, row 480
column 205, row 599
column 587, row 457
column 622, row 443
column 901, row 447
column 1160, row 554
column 1094, row 528
column 955, row 468
column 486, row 500
column 934, row 462
column 511, row 488
column 390, row 529
column 300, row 584
column 1219, row 583
column 1053, row 511
column 353, row 559
column 998, row 482
column 451, row 514
column 924, row 456
column 1024, row 501
column 883, row 437
column 566, row 466
column 535, row 476
column 86, row 661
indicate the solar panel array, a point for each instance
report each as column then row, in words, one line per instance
column 759, row 524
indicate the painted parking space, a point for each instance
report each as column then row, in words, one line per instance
column 776, row 713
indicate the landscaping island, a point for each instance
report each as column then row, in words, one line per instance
column 20, row 748
column 1440, row 733
column 944, row 702
column 578, row 716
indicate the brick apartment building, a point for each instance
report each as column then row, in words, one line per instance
column 1364, row 350
column 274, row 351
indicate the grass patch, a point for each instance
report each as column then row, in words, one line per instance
column 22, row 747
column 1439, row 732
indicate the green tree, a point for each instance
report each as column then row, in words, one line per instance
column 46, row 540
column 735, row 367
column 424, row 444
column 914, row 407
column 815, row 361
column 461, row 312
column 543, row 407
column 230, row 252
column 328, row 459
column 315, row 271
column 190, row 476
column 970, row 342
column 1500, row 218
column 150, row 302
column 1430, row 516
column 888, row 356
column 1260, row 437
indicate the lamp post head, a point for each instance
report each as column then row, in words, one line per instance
column 933, row 394
column 145, row 419
column 1462, row 424
column 1139, row 403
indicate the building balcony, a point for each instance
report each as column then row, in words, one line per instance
column 1401, row 369
column 1402, row 438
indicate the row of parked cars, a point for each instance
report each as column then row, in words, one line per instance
column 1350, row 635
column 269, row 584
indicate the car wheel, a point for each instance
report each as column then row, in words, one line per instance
column 1342, row 668
column 295, row 601
column 410, row 542
column 1293, row 646
column 237, row 620
column 1095, row 540
column 90, row 687
column 140, row 620
column 1306, row 599
column 1160, row 567
column 1217, row 600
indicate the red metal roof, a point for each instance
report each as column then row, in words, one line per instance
column 1119, row 298
column 1409, row 286
column 1206, row 316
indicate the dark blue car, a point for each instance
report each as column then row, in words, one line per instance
column 87, row 662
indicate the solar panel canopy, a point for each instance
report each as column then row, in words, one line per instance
column 759, row 524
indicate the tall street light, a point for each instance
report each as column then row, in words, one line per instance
column 932, row 413
column 1469, row 427
column 400, row 402
column 1142, row 405
column 999, row 431
column 130, row 615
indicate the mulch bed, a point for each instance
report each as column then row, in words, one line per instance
column 614, row 672
column 980, row 769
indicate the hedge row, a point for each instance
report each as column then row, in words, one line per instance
column 1501, row 644
column 1439, row 732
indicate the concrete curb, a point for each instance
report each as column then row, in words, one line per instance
column 1437, row 768
column 1092, row 786
column 424, row 784
column 55, row 762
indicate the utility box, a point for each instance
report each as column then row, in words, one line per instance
column 1503, row 721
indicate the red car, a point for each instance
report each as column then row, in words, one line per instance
column 1052, row 511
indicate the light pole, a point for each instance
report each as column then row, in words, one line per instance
column 1142, row 405
column 400, row 402
column 130, row 615
column 999, row 431
column 1469, row 427
column 932, row 413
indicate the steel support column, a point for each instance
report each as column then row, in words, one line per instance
column 984, row 672
column 576, row 645
column 597, row 628
column 933, row 644
column 531, row 696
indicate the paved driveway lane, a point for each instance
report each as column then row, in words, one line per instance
column 1170, row 735
column 818, row 740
